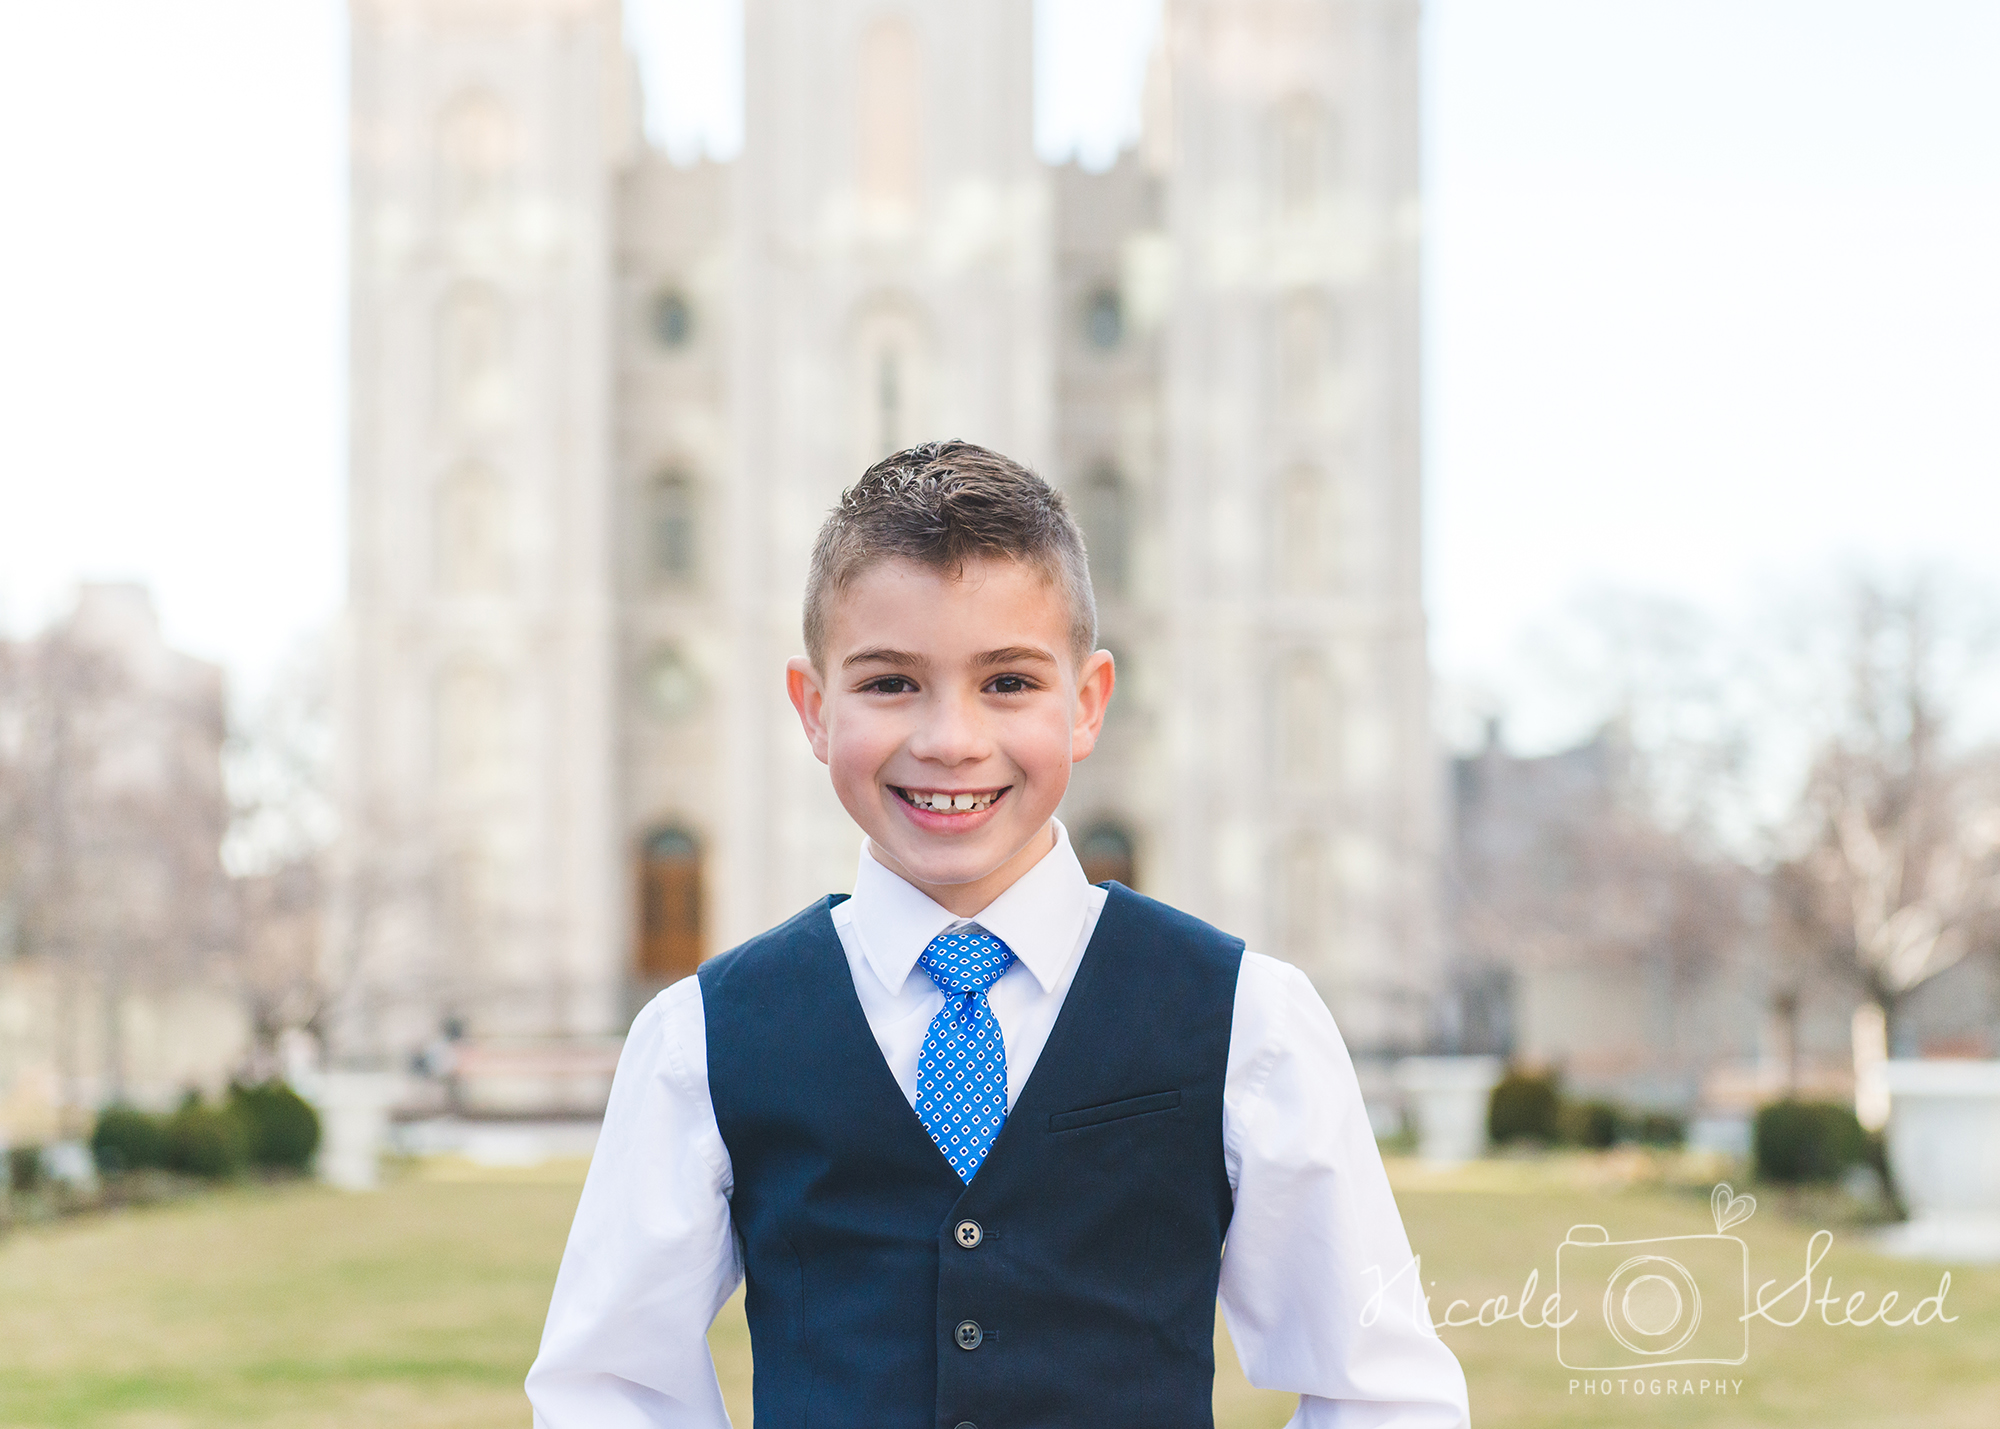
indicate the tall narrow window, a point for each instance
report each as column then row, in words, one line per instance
column 476, row 153
column 475, row 376
column 671, row 319
column 1106, row 528
column 1104, row 319
column 1302, row 353
column 1308, row 897
column 472, row 742
column 1302, row 155
column 670, row 913
column 1301, row 534
column 671, row 527
column 889, row 426
column 471, row 533
column 890, row 386
column 1106, row 854
column 1305, row 722
column 890, row 119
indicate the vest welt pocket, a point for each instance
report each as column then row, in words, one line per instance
column 1114, row 1111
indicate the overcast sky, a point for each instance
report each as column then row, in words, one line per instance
column 1713, row 302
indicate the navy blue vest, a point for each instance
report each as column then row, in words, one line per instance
column 1071, row 1284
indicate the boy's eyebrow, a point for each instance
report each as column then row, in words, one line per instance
column 882, row 656
column 904, row 659
column 1014, row 655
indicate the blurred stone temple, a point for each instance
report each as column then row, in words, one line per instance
column 601, row 402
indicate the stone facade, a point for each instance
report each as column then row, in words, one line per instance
column 601, row 403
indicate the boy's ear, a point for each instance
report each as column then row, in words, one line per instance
column 1093, row 695
column 803, row 685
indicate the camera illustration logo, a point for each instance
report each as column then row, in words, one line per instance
column 1640, row 1304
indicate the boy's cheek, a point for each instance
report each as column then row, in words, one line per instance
column 856, row 746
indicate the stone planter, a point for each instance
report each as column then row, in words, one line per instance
column 1944, row 1148
column 354, row 1125
column 1448, row 1099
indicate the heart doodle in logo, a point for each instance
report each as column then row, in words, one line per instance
column 1730, row 1209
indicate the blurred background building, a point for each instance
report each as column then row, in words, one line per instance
column 600, row 404
column 116, row 918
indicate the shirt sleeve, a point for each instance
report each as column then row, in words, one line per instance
column 651, row 1256
column 1315, row 1231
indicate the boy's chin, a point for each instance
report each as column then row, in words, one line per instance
column 960, row 862
column 940, row 869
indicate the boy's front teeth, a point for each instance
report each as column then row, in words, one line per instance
column 949, row 803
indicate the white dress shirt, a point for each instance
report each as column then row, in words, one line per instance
column 1315, row 1230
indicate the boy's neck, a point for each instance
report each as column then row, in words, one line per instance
column 969, row 900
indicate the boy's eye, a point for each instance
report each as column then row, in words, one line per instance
column 1009, row 684
column 890, row 685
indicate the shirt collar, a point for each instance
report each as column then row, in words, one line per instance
column 1038, row 917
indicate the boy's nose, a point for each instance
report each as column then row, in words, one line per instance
column 951, row 732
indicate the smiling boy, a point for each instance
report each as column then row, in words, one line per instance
column 975, row 1135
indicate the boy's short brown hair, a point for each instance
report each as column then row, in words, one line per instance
column 941, row 505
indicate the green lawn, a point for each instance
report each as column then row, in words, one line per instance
column 421, row 1305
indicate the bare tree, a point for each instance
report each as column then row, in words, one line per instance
column 1566, row 861
column 111, row 816
column 281, row 823
column 1895, row 872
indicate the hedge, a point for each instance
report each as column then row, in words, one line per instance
column 267, row 1125
column 1800, row 1141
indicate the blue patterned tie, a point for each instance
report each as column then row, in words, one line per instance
column 962, row 1070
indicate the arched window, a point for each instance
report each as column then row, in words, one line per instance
column 472, row 735
column 1301, row 534
column 891, row 410
column 1101, row 512
column 671, row 319
column 1305, row 721
column 471, row 535
column 1307, row 891
column 1105, row 852
column 890, row 115
column 1302, row 353
column 476, row 155
column 1104, row 319
column 891, row 386
column 475, row 367
column 1304, row 154
column 670, row 912
column 672, row 532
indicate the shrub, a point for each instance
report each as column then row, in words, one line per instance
column 24, row 1168
column 280, row 1126
column 127, row 1140
column 205, row 1141
column 1661, row 1128
column 1799, row 1141
column 1594, row 1124
column 1523, row 1108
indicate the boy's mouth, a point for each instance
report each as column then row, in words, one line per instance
column 950, row 801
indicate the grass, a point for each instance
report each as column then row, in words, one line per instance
column 421, row 1306
column 1480, row 1231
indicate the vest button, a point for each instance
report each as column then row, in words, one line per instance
column 968, row 1424
column 969, row 1334
column 968, row 1234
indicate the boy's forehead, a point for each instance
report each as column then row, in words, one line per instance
column 989, row 602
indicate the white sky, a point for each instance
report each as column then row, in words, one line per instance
column 1714, row 294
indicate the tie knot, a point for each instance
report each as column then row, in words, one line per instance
column 967, row 959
